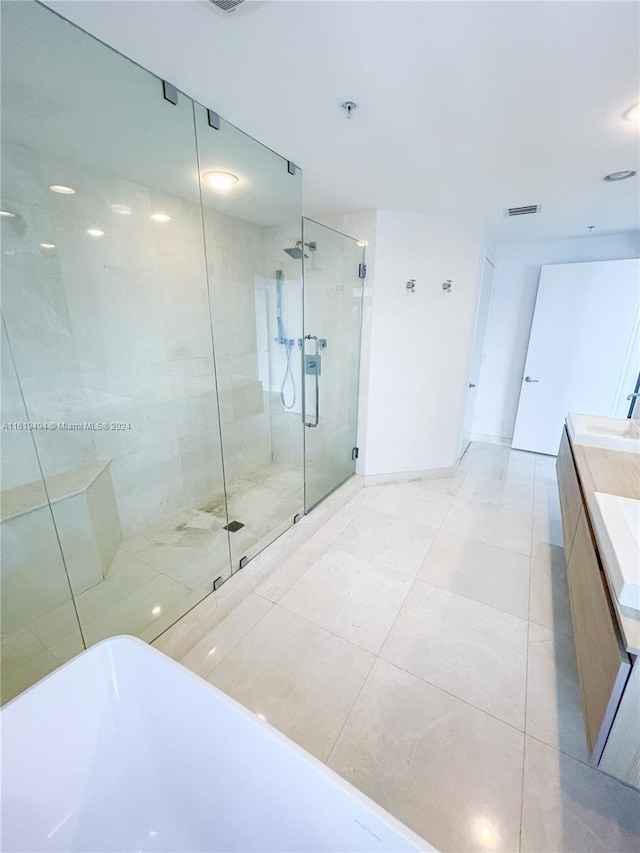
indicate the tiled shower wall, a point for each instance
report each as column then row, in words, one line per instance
column 117, row 329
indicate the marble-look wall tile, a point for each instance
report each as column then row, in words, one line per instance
column 148, row 485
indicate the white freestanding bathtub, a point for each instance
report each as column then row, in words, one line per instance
column 122, row 749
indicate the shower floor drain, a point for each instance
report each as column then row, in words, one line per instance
column 233, row 526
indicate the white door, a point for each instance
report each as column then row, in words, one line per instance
column 482, row 318
column 579, row 347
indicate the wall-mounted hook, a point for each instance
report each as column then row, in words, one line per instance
column 411, row 285
column 446, row 285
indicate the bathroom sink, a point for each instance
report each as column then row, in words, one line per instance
column 617, row 521
column 609, row 433
column 123, row 749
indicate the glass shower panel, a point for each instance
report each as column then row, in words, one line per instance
column 251, row 199
column 106, row 303
column 39, row 625
column 332, row 324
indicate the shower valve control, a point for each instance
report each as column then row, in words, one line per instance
column 313, row 365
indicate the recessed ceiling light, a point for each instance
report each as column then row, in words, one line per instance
column 620, row 176
column 633, row 114
column 7, row 214
column 362, row 243
column 157, row 610
column 121, row 209
column 220, row 180
column 47, row 245
column 58, row 188
column 95, row 232
column 160, row 217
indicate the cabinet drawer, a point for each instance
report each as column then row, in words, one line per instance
column 569, row 489
column 603, row 664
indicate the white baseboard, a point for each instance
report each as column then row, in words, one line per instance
column 491, row 439
column 408, row 476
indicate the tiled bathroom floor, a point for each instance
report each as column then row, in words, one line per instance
column 420, row 644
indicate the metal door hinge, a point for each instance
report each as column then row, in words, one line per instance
column 217, row 583
column 170, row 92
column 243, row 562
column 354, row 453
column 296, row 518
column 291, row 167
column 362, row 271
column 213, row 119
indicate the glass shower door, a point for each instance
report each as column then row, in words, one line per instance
column 332, row 322
column 251, row 205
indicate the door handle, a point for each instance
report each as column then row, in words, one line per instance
column 634, row 395
column 471, row 385
column 314, row 423
column 529, row 379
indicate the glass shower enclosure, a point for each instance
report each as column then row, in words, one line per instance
column 153, row 341
column 333, row 285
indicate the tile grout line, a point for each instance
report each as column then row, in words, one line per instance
column 235, row 646
column 350, row 711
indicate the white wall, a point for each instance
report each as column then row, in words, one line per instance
column 513, row 303
column 420, row 342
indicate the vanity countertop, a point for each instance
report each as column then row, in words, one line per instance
column 617, row 473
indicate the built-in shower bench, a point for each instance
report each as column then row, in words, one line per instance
column 86, row 517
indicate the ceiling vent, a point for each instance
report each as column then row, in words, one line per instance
column 522, row 211
column 236, row 6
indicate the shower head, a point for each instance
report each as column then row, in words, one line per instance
column 296, row 251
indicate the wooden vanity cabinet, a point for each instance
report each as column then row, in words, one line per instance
column 608, row 670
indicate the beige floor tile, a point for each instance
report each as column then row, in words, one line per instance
column 554, row 705
column 505, row 528
column 351, row 597
column 473, row 651
column 300, row 678
column 476, row 570
column 569, row 807
column 207, row 654
column 291, row 570
column 546, row 502
column 407, row 501
column 518, row 469
column 546, row 531
column 448, row 484
column 450, row 772
column 549, row 603
column 499, row 494
column 387, row 540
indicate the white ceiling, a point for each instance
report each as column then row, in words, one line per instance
column 464, row 107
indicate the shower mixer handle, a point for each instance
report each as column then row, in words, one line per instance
column 315, row 421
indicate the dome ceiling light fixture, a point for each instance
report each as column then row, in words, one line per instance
column 220, row 180
column 622, row 175
column 59, row 188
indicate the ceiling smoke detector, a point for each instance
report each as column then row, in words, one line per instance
column 235, row 6
column 522, row 211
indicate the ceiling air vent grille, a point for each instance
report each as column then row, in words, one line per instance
column 226, row 5
column 523, row 211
